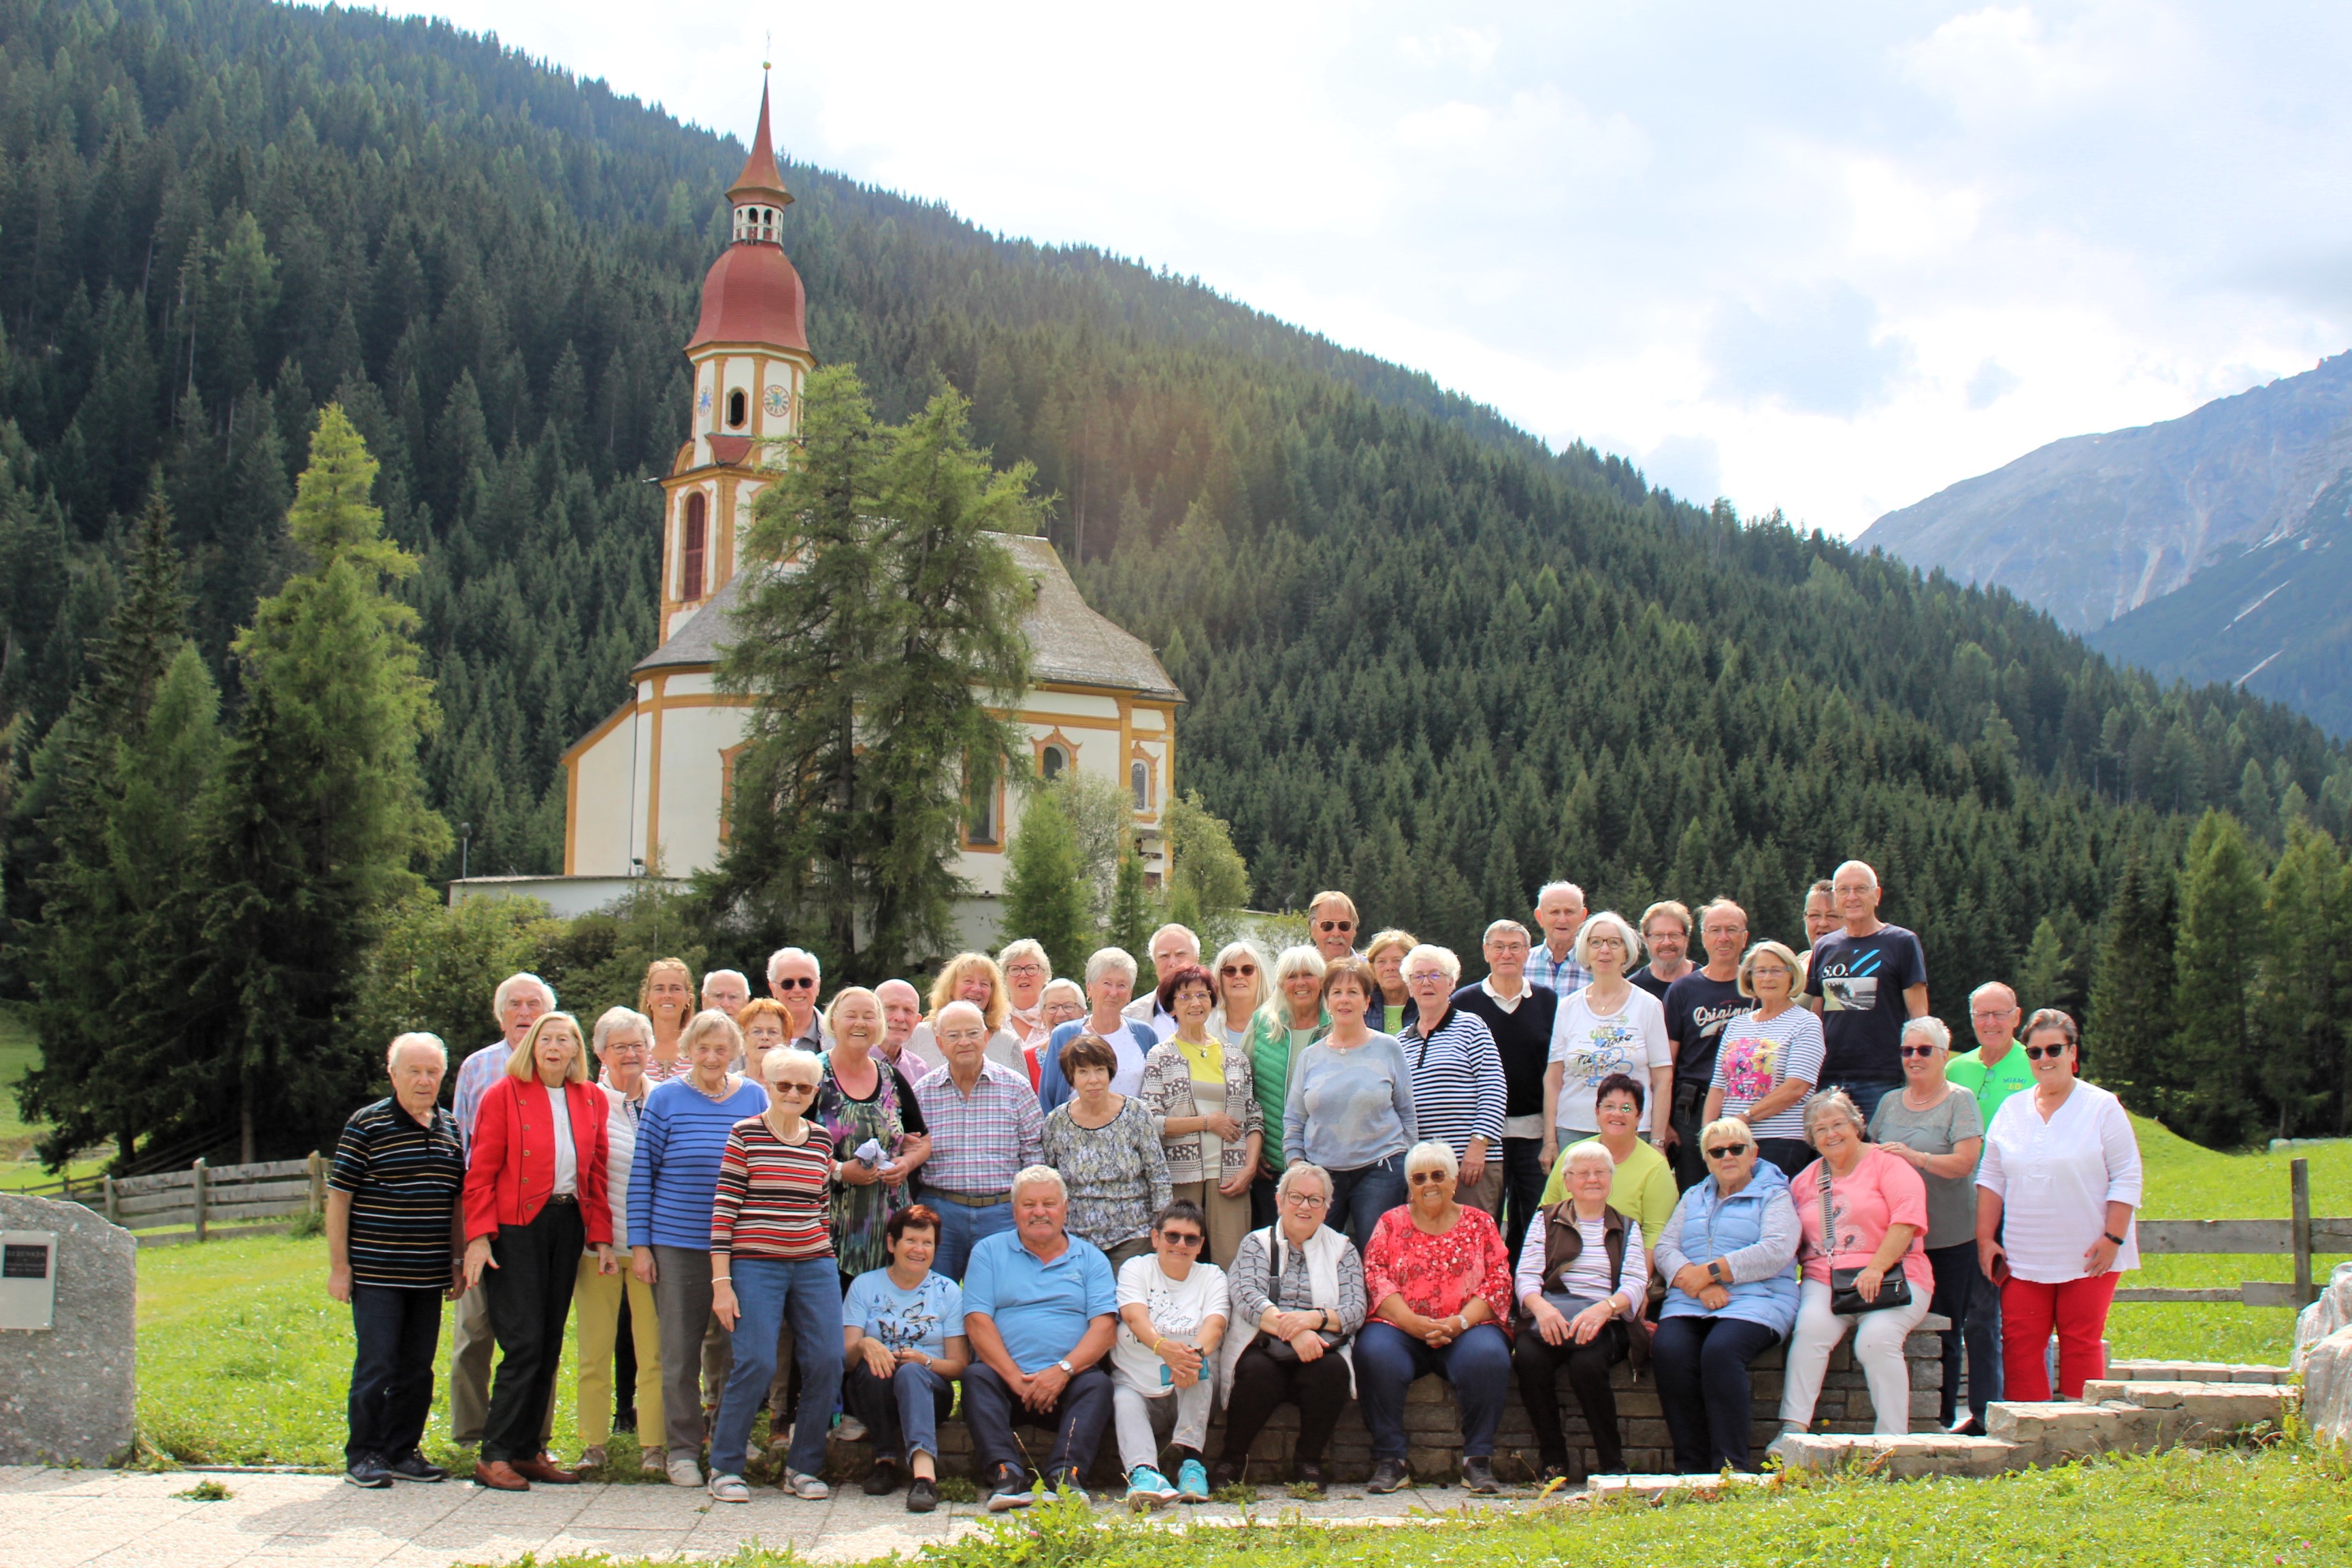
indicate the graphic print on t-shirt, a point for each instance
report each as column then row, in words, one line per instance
column 907, row 1325
column 1749, row 1065
column 1853, row 989
column 1613, row 1047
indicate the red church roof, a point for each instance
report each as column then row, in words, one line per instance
column 759, row 181
column 752, row 295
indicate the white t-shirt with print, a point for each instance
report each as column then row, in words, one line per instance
column 1177, row 1308
column 1590, row 1047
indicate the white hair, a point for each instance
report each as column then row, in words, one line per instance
column 1026, row 947
column 1938, row 1033
column 617, row 1019
column 781, row 953
column 505, row 993
column 1040, row 1176
column 1062, row 983
column 734, row 974
column 1445, row 957
column 1441, row 1155
column 791, row 1057
column 1861, row 866
column 1191, row 940
column 1589, row 1153
column 1304, row 1168
column 1109, row 958
column 940, row 1020
column 1626, row 933
column 421, row 1041
column 1549, row 889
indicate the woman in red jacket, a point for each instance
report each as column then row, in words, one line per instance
column 535, row 1201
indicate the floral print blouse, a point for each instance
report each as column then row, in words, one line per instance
column 1117, row 1174
column 1436, row 1274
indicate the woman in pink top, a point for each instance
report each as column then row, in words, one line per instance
column 1877, row 1204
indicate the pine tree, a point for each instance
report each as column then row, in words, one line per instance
column 2041, row 978
column 1131, row 910
column 1045, row 885
column 2127, row 1038
column 2305, row 973
column 2218, row 957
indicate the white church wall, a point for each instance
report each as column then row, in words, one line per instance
column 597, row 820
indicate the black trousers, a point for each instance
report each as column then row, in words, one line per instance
column 1538, row 1365
column 1704, row 1389
column 625, row 1365
column 530, row 1298
column 1262, row 1385
column 394, row 1334
column 990, row 1411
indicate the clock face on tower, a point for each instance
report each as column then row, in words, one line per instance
column 776, row 401
column 702, row 401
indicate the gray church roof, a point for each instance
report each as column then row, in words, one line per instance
column 1069, row 643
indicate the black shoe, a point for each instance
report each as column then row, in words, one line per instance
column 1225, row 1473
column 1478, row 1476
column 1388, row 1476
column 367, row 1470
column 414, row 1465
column 1969, row 1426
column 922, row 1495
column 1309, row 1473
column 627, row 1421
column 1009, row 1489
column 882, row 1479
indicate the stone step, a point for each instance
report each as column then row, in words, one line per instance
column 2195, row 1411
column 1905, row 1458
column 1653, row 1487
column 2195, row 1371
column 2064, row 1429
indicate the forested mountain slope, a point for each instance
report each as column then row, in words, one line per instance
column 1429, row 660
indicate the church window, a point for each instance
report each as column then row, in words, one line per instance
column 1051, row 763
column 739, row 409
column 983, row 811
column 694, row 545
column 1138, row 779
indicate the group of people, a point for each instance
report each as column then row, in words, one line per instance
column 1304, row 1180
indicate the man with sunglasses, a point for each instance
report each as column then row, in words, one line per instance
column 793, row 977
column 1172, row 1308
column 1332, row 923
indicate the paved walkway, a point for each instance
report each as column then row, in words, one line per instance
column 109, row 1519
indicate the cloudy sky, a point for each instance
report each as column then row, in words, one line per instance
column 1827, row 259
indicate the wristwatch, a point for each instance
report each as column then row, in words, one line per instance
column 1067, row 1369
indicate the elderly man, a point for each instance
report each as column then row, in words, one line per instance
column 1665, row 934
column 1027, row 973
column 793, row 978
column 1173, row 948
column 1992, row 1072
column 516, row 1004
column 1332, row 924
column 1698, row 1007
column 902, row 1009
column 1867, row 979
column 984, row 1126
column 395, row 1240
column 1559, row 915
column 1519, row 1015
column 727, row 990
column 1040, row 1310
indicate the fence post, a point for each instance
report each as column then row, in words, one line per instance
column 2299, row 1182
column 199, row 1169
column 318, row 1183
column 113, row 1205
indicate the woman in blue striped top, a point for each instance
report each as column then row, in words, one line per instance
column 1458, row 1087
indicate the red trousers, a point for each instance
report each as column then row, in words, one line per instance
column 2077, row 1310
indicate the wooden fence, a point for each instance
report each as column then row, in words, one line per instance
column 204, row 1196
column 2299, row 1237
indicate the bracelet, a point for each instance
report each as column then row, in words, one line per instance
column 2111, row 1236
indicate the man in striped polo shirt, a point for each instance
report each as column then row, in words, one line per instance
column 395, row 1238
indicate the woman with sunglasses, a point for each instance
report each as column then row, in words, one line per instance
column 1203, row 1100
column 2067, row 1154
column 1768, row 1058
column 1291, row 1020
column 1934, row 1124
column 1731, row 1294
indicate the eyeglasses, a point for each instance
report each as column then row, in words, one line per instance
column 1243, row 970
column 1725, row 1150
column 1992, row 1017
column 1026, row 969
column 795, row 983
column 792, row 1087
column 1181, row 1237
column 1423, row 1178
column 1427, row 977
column 1335, row 925
column 1918, row 1051
column 617, row 1046
column 1308, row 1200
column 2035, row 1053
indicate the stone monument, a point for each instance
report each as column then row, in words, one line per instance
column 67, row 1391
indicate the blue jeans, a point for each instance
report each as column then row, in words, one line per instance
column 903, row 1411
column 1867, row 1094
column 961, row 1227
column 1704, row 1389
column 1478, row 1365
column 394, row 1333
column 766, row 1290
column 1523, row 1185
column 1359, row 1197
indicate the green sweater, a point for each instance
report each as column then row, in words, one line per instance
column 1272, row 1061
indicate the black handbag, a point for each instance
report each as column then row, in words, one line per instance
column 1282, row 1351
column 1893, row 1290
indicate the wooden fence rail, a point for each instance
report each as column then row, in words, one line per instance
column 2299, row 1238
column 206, row 1195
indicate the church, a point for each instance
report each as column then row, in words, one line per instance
column 647, row 789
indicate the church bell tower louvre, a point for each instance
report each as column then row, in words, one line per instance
column 751, row 361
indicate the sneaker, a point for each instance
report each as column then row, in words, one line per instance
column 650, row 1462
column 1008, row 1490
column 1309, row 1473
column 850, row 1430
column 414, row 1465
column 1064, row 1484
column 800, row 1484
column 1147, row 1488
column 1388, row 1476
column 1192, row 1481
column 922, row 1495
column 882, row 1479
column 368, row 1470
column 1478, row 1476
column 684, row 1473
column 591, row 1457
column 729, row 1488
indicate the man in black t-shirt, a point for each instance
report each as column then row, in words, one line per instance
column 1519, row 1015
column 1666, row 933
column 1698, row 1007
column 1868, row 979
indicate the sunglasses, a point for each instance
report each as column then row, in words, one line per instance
column 795, row 983
column 1725, row 1151
column 2035, row 1053
column 1424, row 1178
column 1181, row 1237
column 1335, row 925
column 1229, row 969
column 1918, row 1051
column 791, row 1088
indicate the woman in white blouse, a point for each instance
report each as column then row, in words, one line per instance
column 1610, row 1026
column 2054, row 1198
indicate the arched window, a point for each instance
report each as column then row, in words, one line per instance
column 739, row 409
column 692, row 546
column 1138, row 778
column 1051, row 763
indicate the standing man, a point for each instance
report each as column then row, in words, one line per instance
column 1173, row 948
column 1332, row 923
column 1665, row 933
column 727, row 990
column 1698, row 1007
column 1519, row 1015
column 902, row 1009
column 1040, row 1307
column 1869, row 978
column 516, row 1004
column 793, row 981
column 395, row 1248
column 1992, row 1072
column 1821, row 918
column 1559, row 915
column 985, row 1127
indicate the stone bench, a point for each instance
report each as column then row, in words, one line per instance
column 2195, row 1371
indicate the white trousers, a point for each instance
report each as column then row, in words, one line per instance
column 1142, row 1418
column 1877, row 1344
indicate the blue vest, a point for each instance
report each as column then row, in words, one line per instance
column 1713, row 1227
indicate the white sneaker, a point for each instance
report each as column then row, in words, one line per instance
column 850, row 1430
column 802, row 1485
column 729, row 1488
column 684, row 1473
column 651, row 1463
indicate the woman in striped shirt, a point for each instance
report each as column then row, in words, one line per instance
column 772, row 1256
column 1458, row 1087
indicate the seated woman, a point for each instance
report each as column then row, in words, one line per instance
column 1440, row 1286
column 1731, row 1294
column 1864, row 1210
column 1581, row 1282
column 902, row 1337
column 1297, row 1297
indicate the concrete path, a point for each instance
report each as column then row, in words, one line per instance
column 108, row 1519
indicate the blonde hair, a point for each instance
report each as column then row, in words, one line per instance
column 1726, row 1127
column 645, row 986
column 1261, row 983
column 955, row 971
column 833, row 1028
column 771, row 1070
column 1777, row 949
column 1382, row 940
column 523, row 1062
column 709, row 1021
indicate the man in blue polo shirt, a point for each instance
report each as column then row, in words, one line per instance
column 1040, row 1307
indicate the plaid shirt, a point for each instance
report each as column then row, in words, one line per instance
column 981, row 1139
column 475, row 1076
column 1563, row 977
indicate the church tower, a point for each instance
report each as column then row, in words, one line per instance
column 750, row 357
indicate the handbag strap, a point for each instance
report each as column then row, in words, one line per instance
column 1829, row 1228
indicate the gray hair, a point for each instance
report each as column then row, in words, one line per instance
column 939, row 1019
column 1585, row 1152
column 1862, row 866
column 615, row 1020
column 1244, row 948
column 1299, row 960
column 1626, row 933
column 1304, row 1168
column 1938, row 1033
column 1062, row 983
column 1994, row 985
column 781, row 953
column 1433, row 1153
column 421, row 1041
column 505, row 993
column 1549, row 889
column 791, row 1057
column 1445, row 957
column 1500, row 927
column 1833, row 1103
column 734, row 974
column 1026, row 947
column 1040, row 1176
column 1192, row 939
column 1108, row 958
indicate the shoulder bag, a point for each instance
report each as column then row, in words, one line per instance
column 1893, row 1290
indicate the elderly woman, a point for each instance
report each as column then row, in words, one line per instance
column 1938, row 1127
column 772, row 1262
column 1609, row 1025
column 1731, row 1294
column 534, row 1198
column 971, row 977
column 1108, row 1150
column 765, row 1026
column 1458, row 1089
column 1386, row 952
column 2068, row 1152
column 1645, row 1188
column 1349, row 1109
column 667, row 996
column 1244, row 981
column 606, row 1299
column 1768, row 1058
column 1061, row 1002
column 1291, row 1019
column 1110, row 985
column 1440, row 1288
column 1027, row 972
column 862, row 1101
column 1198, row 1093
column 902, row 1333
column 1297, row 1294
column 1583, row 1280
column 1864, row 1213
